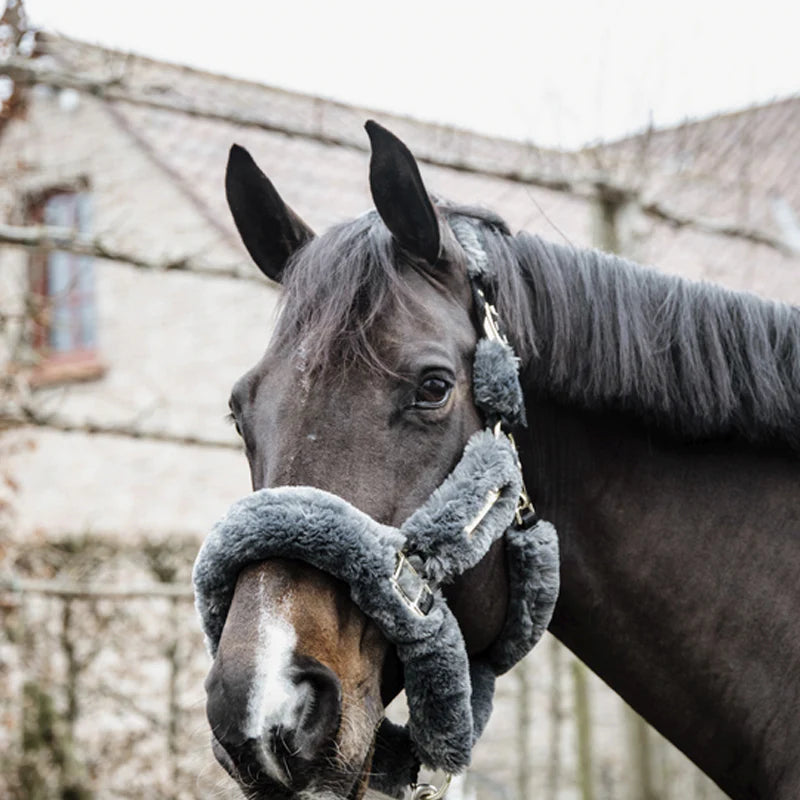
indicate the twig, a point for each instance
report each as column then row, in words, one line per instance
column 28, row 73
column 717, row 228
column 86, row 591
column 28, row 416
column 53, row 238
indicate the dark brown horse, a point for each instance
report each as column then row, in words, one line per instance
column 663, row 438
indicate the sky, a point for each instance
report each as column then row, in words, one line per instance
column 557, row 74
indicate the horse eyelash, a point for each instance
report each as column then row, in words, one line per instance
column 230, row 418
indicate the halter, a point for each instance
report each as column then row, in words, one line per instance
column 395, row 574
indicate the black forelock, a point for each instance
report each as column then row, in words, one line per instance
column 341, row 283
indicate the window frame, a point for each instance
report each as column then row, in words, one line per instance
column 76, row 363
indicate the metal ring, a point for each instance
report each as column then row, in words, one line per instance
column 427, row 791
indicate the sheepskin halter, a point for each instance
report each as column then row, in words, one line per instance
column 395, row 574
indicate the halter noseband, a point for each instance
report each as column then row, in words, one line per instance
column 395, row 574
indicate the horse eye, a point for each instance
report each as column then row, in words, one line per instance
column 432, row 393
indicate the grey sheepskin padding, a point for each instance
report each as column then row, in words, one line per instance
column 449, row 698
column 436, row 531
column 470, row 238
column 394, row 766
column 534, row 577
column 495, row 384
column 450, row 533
column 482, row 677
column 330, row 534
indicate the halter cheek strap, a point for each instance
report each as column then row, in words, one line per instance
column 531, row 544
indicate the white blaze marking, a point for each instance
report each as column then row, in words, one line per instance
column 272, row 691
column 275, row 700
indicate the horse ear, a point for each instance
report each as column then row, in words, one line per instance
column 400, row 196
column 270, row 230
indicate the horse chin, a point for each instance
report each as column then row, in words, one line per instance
column 334, row 781
column 340, row 773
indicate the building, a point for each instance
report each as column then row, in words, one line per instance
column 116, row 455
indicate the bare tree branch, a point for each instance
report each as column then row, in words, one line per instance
column 86, row 591
column 106, row 690
column 29, row 73
column 586, row 187
column 70, row 241
column 28, row 416
column 717, row 228
column 50, row 238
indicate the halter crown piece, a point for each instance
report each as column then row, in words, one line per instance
column 395, row 574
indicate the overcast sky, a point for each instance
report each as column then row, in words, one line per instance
column 561, row 73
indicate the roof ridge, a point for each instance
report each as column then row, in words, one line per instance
column 392, row 116
column 693, row 122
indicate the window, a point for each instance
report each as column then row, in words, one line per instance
column 63, row 293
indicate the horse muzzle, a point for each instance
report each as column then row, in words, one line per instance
column 291, row 740
column 282, row 721
column 274, row 714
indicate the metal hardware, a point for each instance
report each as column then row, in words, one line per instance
column 491, row 498
column 411, row 587
column 491, row 320
column 525, row 510
column 427, row 791
column 491, row 329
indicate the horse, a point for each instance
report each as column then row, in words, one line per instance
column 662, row 440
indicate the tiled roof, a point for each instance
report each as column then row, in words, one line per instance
column 316, row 152
column 741, row 168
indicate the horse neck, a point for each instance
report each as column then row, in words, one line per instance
column 680, row 575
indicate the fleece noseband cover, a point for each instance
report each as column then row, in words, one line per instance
column 449, row 696
column 395, row 574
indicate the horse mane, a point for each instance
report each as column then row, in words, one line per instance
column 592, row 329
column 692, row 358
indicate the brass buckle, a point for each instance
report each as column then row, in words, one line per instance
column 525, row 505
column 411, row 587
column 491, row 326
column 491, row 498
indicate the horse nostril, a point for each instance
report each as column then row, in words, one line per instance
column 318, row 711
column 275, row 729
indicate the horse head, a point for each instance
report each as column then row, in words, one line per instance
column 366, row 392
